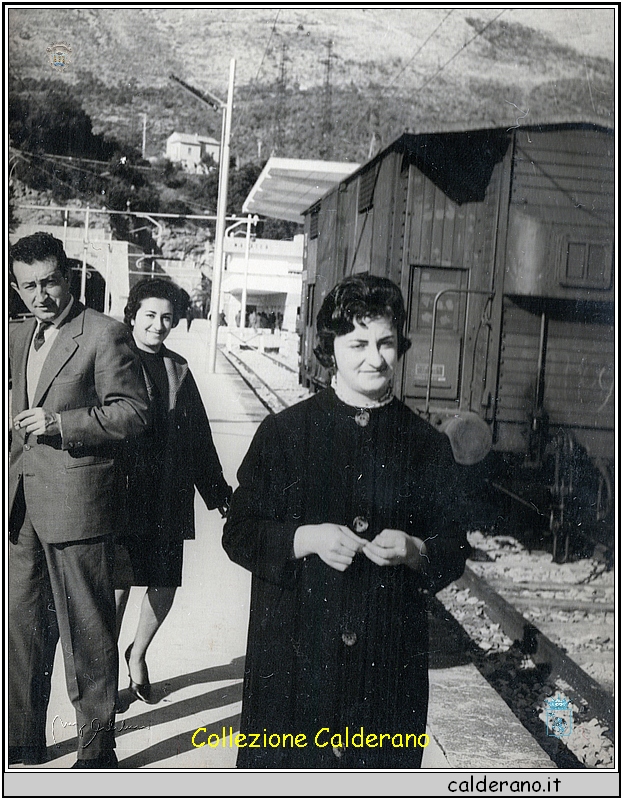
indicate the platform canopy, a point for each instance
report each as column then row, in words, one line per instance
column 289, row 186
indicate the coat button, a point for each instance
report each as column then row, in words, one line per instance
column 349, row 638
column 26, row 447
column 360, row 524
column 78, row 444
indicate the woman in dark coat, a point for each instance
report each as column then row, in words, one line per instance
column 160, row 471
column 349, row 512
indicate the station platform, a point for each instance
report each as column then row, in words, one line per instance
column 196, row 660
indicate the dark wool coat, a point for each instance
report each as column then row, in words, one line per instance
column 330, row 649
column 161, row 469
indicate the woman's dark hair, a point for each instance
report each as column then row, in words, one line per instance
column 154, row 287
column 355, row 298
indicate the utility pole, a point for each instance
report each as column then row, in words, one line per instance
column 221, row 207
column 144, row 134
column 375, row 134
column 281, row 102
column 326, row 128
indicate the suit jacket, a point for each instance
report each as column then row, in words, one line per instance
column 92, row 378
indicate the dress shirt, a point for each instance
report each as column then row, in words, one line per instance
column 36, row 358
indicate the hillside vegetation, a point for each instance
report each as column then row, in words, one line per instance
column 390, row 71
column 420, row 70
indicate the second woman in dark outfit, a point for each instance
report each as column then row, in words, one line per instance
column 349, row 511
column 161, row 470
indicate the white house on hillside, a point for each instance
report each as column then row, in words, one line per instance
column 189, row 148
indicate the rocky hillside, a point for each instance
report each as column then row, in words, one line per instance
column 408, row 68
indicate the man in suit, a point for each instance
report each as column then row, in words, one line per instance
column 77, row 390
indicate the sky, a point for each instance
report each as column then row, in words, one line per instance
column 588, row 29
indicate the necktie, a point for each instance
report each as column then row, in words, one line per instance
column 39, row 339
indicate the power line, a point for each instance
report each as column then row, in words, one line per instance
column 459, row 51
column 270, row 38
column 71, row 159
column 52, row 173
column 411, row 60
column 49, row 157
column 421, row 47
column 53, row 159
column 452, row 57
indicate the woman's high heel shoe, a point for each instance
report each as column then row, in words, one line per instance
column 140, row 690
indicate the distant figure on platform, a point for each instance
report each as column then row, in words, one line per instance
column 78, row 392
column 187, row 309
column 160, row 471
column 253, row 320
column 222, row 319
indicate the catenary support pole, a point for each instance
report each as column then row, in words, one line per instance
column 83, row 274
column 221, row 211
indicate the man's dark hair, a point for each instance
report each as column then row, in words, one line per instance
column 355, row 298
column 154, row 287
column 39, row 247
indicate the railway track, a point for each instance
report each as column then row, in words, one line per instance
column 531, row 627
column 269, row 398
column 273, row 382
column 529, row 647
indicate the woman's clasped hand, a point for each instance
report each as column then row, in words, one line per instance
column 337, row 546
column 391, row 548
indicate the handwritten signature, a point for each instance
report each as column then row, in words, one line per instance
column 95, row 727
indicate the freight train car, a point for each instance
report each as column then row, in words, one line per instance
column 502, row 241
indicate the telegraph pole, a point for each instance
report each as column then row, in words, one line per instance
column 281, row 102
column 144, row 134
column 326, row 128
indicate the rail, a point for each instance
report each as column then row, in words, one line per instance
column 259, row 349
column 240, row 366
column 542, row 650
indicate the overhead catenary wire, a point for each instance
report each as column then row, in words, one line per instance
column 406, row 66
column 458, row 52
column 445, row 64
column 421, row 47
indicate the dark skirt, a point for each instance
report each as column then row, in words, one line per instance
column 145, row 562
